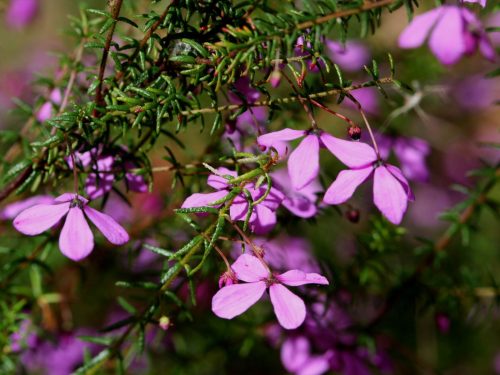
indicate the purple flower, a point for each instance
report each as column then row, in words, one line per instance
column 46, row 111
column 233, row 300
column 411, row 153
column 301, row 203
column 453, row 31
column 391, row 190
column 263, row 216
column 21, row 12
column 297, row 358
column 367, row 97
column 12, row 210
column 76, row 240
column 351, row 56
column 244, row 92
column 303, row 163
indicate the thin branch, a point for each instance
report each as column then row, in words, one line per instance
column 115, row 6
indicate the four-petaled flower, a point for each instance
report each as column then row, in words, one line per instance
column 303, row 163
column 76, row 240
column 453, row 31
column 391, row 190
column 263, row 215
column 233, row 300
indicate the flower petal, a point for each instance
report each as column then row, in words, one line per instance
column 76, row 240
column 447, row 40
column 39, row 218
column 287, row 134
column 249, row 268
column 295, row 353
column 13, row 209
column 264, row 220
column 345, row 184
column 303, row 163
column 203, row 199
column 351, row 153
column 396, row 172
column 218, row 182
column 416, row 32
column 110, row 229
column 288, row 307
column 233, row 300
column 389, row 195
column 297, row 277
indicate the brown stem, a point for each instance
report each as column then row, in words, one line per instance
column 115, row 7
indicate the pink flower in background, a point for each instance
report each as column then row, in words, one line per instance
column 20, row 13
column 46, row 111
column 106, row 168
column 411, row 153
column 367, row 97
column 302, row 202
column 233, row 300
column 76, row 240
column 297, row 358
column 263, row 216
column 480, row 2
column 244, row 92
column 303, row 163
column 351, row 56
column 391, row 190
column 13, row 209
column 453, row 31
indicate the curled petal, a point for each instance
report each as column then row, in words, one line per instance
column 39, row 218
column 233, row 300
column 416, row 32
column 249, row 268
column 389, row 195
column 351, row 153
column 203, row 199
column 396, row 172
column 218, row 182
column 288, row 307
column 303, row 163
column 297, row 277
column 110, row 229
column 76, row 240
column 345, row 184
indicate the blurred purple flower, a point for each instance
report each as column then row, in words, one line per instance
column 476, row 92
column 244, row 92
column 233, row 300
column 367, row 98
column 453, row 31
column 24, row 338
column 46, row 111
column 20, row 13
column 411, row 153
column 443, row 322
column 297, row 358
column 351, row 56
column 302, row 202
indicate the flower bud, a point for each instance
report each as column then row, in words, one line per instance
column 354, row 132
column 352, row 214
column 275, row 78
column 164, row 322
column 227, row 278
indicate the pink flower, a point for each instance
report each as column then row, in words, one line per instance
column 76, row 240
column 411, row 153
column 46, row 111
column 263, row 216
column 233, row 300
column 297, row 358
column 302, row 202
column 303, row 163
column 21, row 12
column 351, row 56
column 391, row 190
column 453, row 31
